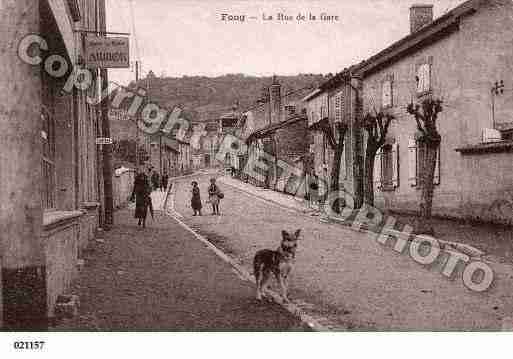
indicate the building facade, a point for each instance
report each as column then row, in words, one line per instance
column 457, row 58
column 52, row 187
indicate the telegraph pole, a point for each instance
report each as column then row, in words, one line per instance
column 107, row 149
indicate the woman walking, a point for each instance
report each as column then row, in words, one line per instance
column 196, row 199
column 214, row 196
column 141, row 192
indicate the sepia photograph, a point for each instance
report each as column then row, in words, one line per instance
column 235, row 167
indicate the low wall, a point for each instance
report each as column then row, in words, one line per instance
column 61, row 240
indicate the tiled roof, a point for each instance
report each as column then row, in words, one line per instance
column 263, row 132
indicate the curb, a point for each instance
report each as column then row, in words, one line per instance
column 292, row 308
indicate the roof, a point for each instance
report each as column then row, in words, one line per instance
column 312, row 95
column 428, row 34
column 264, row 132
column 342, row 77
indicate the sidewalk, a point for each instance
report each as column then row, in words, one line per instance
column 494, row 240
column 162, row 278
column 291, row 202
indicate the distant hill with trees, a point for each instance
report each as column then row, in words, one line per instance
column 204, row 98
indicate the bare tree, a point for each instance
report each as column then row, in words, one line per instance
column 337, row 145
column 425, row 115
column 376, row 126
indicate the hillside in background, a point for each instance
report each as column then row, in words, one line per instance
column 205, row 98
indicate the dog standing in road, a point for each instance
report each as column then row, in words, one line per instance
column 278, row 262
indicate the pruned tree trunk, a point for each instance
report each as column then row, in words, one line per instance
column 428, row 165
column 370, row 154
column 429, row 143
column 337, row 159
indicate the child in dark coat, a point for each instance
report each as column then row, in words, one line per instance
column 196, row 199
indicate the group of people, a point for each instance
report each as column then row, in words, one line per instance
column 214, row 197
column 145, row 183
column 159, row 183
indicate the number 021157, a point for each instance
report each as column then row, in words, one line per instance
column 29, row 345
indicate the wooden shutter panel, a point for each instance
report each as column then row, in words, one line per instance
column 412, row 162
column 436, row 179
column 395, row 165
column 377, row 170
column 343, row 163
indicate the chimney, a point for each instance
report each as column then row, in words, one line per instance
column 275, row 101
column 420, row 15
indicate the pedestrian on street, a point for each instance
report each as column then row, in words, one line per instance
column 155, row 180
column 165, row 180
column 141, row 193
column 214, row 196
column 196, row 199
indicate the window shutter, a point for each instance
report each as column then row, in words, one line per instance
column 343, row 163
column 412, row 162
column 436, row 179
column 377, row 170
column 395, row 165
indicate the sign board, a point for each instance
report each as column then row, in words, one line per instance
column 104, row 141
column 107, row 52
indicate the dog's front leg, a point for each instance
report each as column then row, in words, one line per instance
column 283, row 286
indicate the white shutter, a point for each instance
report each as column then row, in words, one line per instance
column 343, row 163
column 412, row 162
column 395, row 165
column 377, row 170
column 436, row 179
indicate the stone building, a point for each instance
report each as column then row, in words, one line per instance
column 52, row 187
column 458, row 58
column 335, row 103
column 277, row 126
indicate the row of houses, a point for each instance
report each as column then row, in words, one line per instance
column 463, row 58
column 166, row 153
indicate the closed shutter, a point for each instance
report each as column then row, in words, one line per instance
column 436, row 179
column 395, row 165
column 338, row 107
column 343, row 163
column 377, row 170
column 412, row 162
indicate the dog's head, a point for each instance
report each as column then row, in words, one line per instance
column 289, row 242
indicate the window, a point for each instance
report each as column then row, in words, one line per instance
column 415, row 155
column 423, row 78
column 47, row 163
column 322, row 112
column 338, row 107
column 386, row 93
column 386, row 167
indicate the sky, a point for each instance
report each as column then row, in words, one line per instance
column 189, row 37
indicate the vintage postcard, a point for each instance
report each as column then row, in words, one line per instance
column 255, row 166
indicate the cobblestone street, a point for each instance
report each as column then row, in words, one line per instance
column 346, row 276
column 162, row 278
